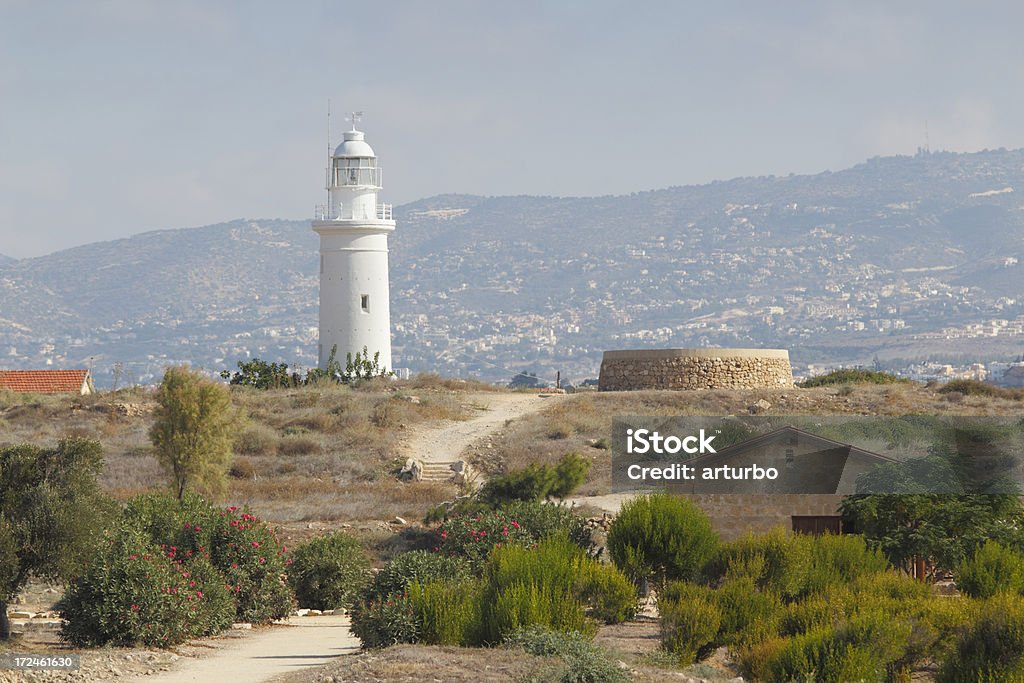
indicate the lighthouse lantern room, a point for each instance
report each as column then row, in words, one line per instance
column 355, row 310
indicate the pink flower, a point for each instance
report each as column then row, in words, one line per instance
column 135, row 608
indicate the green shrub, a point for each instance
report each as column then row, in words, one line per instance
column 661, row 537
column 330, row 572
column 243, row 549
column 418, row 565
column 796, row 565
column 584, row 661
column 747, row 614
column 972, row 387
column 536, row 482
column 386, row 621
column 132, row 593
column 184, row 525
column 252, row 560
column 992, row 569
column 522, row 604
column 814, row 611
column 448, row 613
column 544, row 586
column 777, row 561
column 690, row 622
column 892, row 585
column 756, row 660
column 610, row 596
column 840, row 560
column 852, row 377
column 867, row 647
column 517, row 523
column 992, row 648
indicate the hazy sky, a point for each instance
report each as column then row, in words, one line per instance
column 120, row 117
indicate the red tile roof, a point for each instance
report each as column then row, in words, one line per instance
column 44, row 381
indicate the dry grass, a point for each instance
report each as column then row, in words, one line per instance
column 582, row 422
column 322, row 452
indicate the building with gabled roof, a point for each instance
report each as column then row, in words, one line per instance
column 47, row 381
column 817, row 474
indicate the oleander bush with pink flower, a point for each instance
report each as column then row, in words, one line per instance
column 473, row 536
column 176, row 569
column 134, row 592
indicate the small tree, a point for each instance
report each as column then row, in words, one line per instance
column 358, row 367
column 262, row 375
column 51, row 513
column 361, row 366
column 193, row 430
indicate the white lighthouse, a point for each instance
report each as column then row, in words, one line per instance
column 353, row 228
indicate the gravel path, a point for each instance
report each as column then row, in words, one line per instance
column 264, row 654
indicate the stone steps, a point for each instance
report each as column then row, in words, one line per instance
column 437, row 471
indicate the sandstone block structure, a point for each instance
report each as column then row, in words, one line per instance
column 708, row 368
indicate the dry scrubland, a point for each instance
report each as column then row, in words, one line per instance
column 322, row 457
column 582, row 423
column 312, row 454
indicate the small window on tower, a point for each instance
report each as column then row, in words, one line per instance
column 364, row 301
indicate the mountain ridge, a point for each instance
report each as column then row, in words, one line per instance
column 837, row 266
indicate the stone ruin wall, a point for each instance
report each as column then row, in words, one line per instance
column 695, row 369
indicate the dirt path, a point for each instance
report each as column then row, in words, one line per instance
column 266, row 653
column 444, row 443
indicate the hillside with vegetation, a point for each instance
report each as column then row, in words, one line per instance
column 899, row 258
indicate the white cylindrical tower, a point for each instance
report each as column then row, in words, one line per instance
column 355, row 309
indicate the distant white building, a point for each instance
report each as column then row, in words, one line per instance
column 355, row 309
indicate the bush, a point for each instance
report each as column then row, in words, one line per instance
column 537, row 482
column 992, row 648
column 133, row 593
column 448, row 613
column 385, row 621
column 864, row 649
column 972, row 387
column 747, row 614
column 256, row 439
column 551, row 586
column 609, row 594
column 661, row 537
column 690, row 622
column 584, row 661
column 330, row 572
column 992, row 569
column 532, row 587
column 518, row 523
column 852, row 377
column 795, row 565
column 243, row 549
column 252, row 560
column 186, row 525
column 420, row 566
column 757, row 660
